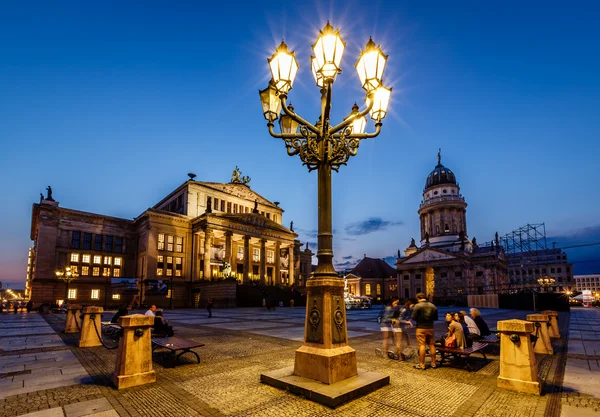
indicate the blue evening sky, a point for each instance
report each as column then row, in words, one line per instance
column 112, row 103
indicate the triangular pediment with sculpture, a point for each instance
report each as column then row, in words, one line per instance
column 426, row 255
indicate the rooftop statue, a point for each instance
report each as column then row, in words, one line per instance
column 237, row 178
column 49, row 197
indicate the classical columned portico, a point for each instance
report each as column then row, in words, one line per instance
column 291, row 265
column 207, row 245
column 263, row 261
column 277, row 278
column 246, row 259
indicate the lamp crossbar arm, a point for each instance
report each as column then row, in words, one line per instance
column 360, row 135
column 283, row 135
column 349, row 120
column 297, row 118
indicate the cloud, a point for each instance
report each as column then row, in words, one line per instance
column 309, row 233
column 347, row 257
column 349, row 239
column 370, row 225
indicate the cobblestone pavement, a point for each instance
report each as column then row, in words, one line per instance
column 240, row 344
column 581, row 382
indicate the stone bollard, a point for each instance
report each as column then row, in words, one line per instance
column 543, row 344
column 553, row 329
column 134, row 357
column 73, row 322
column 518, row 366
column 89, row 336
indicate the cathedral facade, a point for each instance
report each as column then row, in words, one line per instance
column 447, row 264
column 202, row 232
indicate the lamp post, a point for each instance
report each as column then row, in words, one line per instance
column 325, row 355
column 546, row 282
column 67, row 275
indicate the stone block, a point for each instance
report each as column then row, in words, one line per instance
column 91, row 329
column 553, row 329
column 325, row 365
column 515, row 326
column 134, row 357
column 543, row 345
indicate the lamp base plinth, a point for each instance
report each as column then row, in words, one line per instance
column 325, row 365
column 330, row 395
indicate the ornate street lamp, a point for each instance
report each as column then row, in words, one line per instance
column 67, row 275
column 325, row 355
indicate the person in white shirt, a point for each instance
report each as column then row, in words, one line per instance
column 151, row 311
column 473, row 329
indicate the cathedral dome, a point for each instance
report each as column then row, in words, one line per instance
column 440, row 175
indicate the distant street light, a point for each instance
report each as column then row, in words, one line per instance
column 546, row 282
column 67, row 275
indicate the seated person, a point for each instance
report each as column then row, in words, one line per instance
column 455, row 328
column 161, row 325
column 123, row 311
column 484, row 330
column 473, row 329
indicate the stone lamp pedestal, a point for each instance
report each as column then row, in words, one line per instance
column 134, row 357
column 325, row 368
column 553, row 329
column 543, row 344
column 89, row 336
column 518, row 366
column 73, row 322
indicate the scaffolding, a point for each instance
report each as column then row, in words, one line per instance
column 528, row 238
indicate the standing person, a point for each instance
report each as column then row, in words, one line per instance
column 425, row 313
column 403, row 318
column 16, row 306
column 209, row 306
column 29, row 306
column 386, row 326
column 484, row 330
column 123, row 311
column 151, row 311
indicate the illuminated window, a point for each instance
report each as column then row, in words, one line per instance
column 378, row 289
column 178, row 266
column 116, row 272
column 106, row 272
column 85, row 270
column 368, row 289
column 169, row 265
column 159, row 272
column 97, row 259
column 107, row 260
column 74, row 268
column 85, row 259
column 74, row 257
column 169, row 293
column 169, row 272
column 72, row 294
column 95, row 294
column 240, row 252
column 179, row 245
column 255, row 254
column 170, row 243
column 116, row 296
column 161, row 241
column 118, row 261
column 96, row 271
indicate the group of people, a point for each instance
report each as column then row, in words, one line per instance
column 16, row 305
column 394, row 320
column 463, row 330
column 161, row 326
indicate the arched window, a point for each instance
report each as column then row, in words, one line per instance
column 368, row 289
column 378, row 289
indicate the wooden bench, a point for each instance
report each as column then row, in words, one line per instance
column 489, row 339
column 461, row 353
column 176, row 344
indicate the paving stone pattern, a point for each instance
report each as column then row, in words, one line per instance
column 243, row 343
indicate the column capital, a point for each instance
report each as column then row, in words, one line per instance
column 228, row 233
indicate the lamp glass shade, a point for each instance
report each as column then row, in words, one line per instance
column 284, row 67
column 317, row 75
column 328, row 51
column 359, row 123
column 271, row 104
column 370, row 66
column 287, row 124
column 381, row 100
